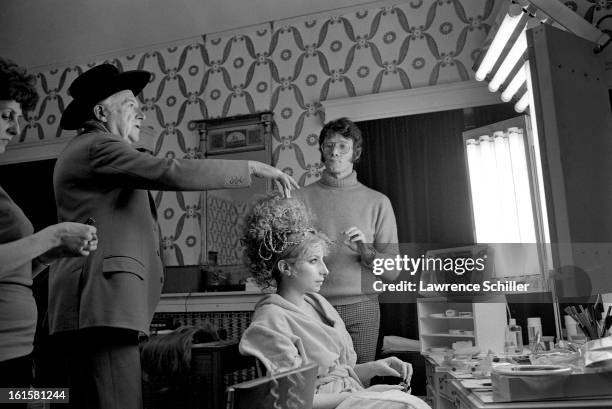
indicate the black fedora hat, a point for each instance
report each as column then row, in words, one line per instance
column 95, row 85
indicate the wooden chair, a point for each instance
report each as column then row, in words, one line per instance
column 292, row 389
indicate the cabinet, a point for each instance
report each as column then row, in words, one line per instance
column 437, row 390
column 482, row 323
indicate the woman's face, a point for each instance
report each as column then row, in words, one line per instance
column 10, row 113
column 309, row 271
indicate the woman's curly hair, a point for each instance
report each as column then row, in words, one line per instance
column 278, row 228
column 17, row 85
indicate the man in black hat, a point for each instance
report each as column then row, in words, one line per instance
column 99, row 304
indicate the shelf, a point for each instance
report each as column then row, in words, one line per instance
column 209, row 301
column 448, row 335
column 487, row 321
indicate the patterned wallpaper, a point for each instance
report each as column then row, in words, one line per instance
column 289, row 69
column 225, row 227
column 596, row 12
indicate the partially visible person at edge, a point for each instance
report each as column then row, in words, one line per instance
column 295, row 325
column 347, row 211
column 99, row 305
column 24, row 253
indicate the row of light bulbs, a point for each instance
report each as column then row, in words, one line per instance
column 505, row 65
column 509, row 72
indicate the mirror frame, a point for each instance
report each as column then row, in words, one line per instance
column 223, row 136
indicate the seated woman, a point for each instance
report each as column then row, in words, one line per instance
column 296, row 325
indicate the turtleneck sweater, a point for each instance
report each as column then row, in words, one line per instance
column 337, row 205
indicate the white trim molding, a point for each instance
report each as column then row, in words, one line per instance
column 32, row 151
column 411, row 101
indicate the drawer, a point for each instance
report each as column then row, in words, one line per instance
column 431, row 396
column 441, row 380
column 459, row 403
column 431, row 402
column 429, row 369
column 429, row 380
column 457, row 398
column 431, row 391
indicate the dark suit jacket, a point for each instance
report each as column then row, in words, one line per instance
column 99, row 175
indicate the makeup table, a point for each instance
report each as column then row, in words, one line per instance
column 463, row 398
column 446, row 391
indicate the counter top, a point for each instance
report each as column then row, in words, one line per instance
column 466, row 399
column 209, row 301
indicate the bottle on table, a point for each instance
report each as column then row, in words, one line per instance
column 534, row 332
column 514, row 338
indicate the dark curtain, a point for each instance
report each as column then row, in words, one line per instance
column 30, row 185
column 487, row 115
column 419, row 163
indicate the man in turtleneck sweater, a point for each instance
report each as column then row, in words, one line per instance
column 362, row 222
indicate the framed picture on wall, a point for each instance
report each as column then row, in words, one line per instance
column 242, row 133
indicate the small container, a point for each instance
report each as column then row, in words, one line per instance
column 534, row 331
column 514, row 338
column 571, row 327
column 548, row 342
column 216, row 278
column 450, row 313
column 483, row 369
column 213, row 258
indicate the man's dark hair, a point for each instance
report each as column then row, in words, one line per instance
column 17, row 85
column 345, row 128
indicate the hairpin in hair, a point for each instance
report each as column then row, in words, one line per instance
column 278, row 242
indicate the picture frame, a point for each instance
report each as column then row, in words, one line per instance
column 220, row 136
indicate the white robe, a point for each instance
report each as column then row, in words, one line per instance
column 284, row 337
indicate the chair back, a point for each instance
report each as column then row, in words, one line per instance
column 292, row 389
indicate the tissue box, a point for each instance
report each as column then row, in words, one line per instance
column 551, row 387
